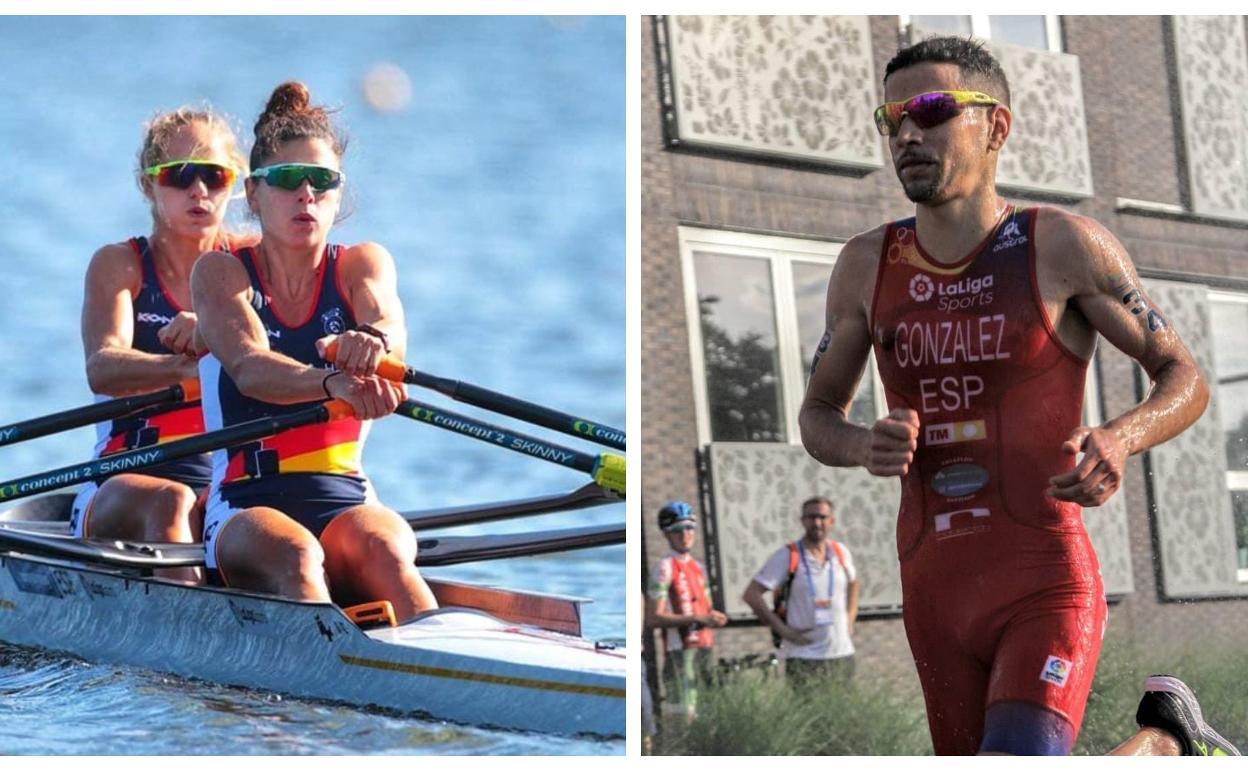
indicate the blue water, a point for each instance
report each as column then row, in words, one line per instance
column 500, row 191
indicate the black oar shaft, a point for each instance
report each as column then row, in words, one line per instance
column 87, row 415
column 431, row 552
column 146, row 457
column 518, row 408
column 493, row 434
column 584, row 497
column 441, row 552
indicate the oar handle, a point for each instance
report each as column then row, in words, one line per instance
column 69, row 419
column 606, row 469
column 392, row 368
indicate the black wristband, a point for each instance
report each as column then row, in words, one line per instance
column 325, row 382
column 373, row 331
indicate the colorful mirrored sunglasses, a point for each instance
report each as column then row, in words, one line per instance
column 289, row 176
column 928, row 110
column 183, row 173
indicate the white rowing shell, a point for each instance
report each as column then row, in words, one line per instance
column 459, row 665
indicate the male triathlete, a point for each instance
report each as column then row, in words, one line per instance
column 983, row 317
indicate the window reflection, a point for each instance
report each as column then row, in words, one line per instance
column 810, row 287
column 1027, row 31
column 739, row 348
column 957, row 25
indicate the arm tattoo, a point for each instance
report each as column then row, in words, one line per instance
column 819, row 351
column 1125, row 289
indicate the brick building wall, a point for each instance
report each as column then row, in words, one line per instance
column 1135, row 153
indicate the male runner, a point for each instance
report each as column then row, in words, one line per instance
column 983, row 318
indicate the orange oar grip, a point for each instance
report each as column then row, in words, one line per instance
column 391, row 367
column 339, row 410
column 190, row 390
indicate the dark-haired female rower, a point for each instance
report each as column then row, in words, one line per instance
column 294, row 514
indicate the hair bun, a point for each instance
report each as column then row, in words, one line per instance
column 290, row 98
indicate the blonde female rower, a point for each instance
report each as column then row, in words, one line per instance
column 138, row 329
column 294, row 514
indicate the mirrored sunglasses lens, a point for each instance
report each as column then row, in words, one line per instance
column 928, row 110
column 324, row 178
column 291, row 177
column 216, row 177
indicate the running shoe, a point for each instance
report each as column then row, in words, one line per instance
column 1169, row 704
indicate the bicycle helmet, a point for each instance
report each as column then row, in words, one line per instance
column 676, row 515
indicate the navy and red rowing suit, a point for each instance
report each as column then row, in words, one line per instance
column 310, row 473
column 154, row 307
column 1002, row 594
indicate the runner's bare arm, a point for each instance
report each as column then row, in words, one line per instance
column 1108, row 293
column 114, row 368
column 887, row 448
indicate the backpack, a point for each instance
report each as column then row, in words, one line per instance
column 780, row 600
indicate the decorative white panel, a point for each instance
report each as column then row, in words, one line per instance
column 1107, row 528
column 758, row 491
column 1193, row 507
column 1212, row 60
column 798, row 87
column 1047, row 151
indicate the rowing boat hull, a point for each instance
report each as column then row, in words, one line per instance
column 458, row 665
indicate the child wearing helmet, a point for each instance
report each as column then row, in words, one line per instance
column 679, row 603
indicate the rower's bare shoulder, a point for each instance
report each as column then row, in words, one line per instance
column 218, row 271
column 114, row 266
column 368, row 259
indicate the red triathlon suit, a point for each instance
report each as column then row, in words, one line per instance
column 1001, row 589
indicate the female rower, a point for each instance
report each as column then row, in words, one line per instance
column 294, row 514
column 138, row 331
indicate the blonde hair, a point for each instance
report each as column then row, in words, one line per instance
column 159, row 131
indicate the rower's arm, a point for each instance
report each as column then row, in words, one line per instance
column 841, row 359
column 114, row 367
column 369, row 276
column 1112, row 298
column 235, row 335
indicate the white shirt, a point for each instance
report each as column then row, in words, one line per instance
column 830, row 641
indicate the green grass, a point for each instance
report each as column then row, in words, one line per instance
column 758, row 715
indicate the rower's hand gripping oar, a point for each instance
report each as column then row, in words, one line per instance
column 393, row 369
column 146, row 457
column 93, row 413
column 608, row 470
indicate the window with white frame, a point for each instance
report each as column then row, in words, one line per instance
column 755, row 311
column 1041, row 32
column 755, row 308
column 1229, row 317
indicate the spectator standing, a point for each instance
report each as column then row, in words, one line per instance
column 815, row 599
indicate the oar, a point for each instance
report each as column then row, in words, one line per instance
column 444, row 551
column 584, row 497
column 393, row 369
column 93, row 413
column 102, row 468
column 51, row 512
column 433, row 552
column 606, row 469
